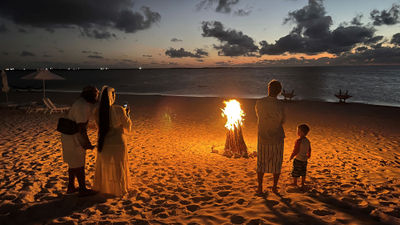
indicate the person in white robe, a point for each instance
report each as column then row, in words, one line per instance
column 111, row 170
column 74, row 146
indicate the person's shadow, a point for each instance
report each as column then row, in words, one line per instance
column 45, row 212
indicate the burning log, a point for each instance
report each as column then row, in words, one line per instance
column 343, row 96
column 234, row 144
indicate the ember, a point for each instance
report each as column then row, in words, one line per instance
column 234, row 144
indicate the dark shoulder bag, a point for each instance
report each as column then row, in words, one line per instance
column 67, row 126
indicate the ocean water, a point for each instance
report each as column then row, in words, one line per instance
column 379, row 85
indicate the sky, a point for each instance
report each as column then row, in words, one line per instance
column 198, row 33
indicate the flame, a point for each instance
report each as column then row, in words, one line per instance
column 233, row 114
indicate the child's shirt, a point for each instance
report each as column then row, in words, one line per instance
column 301, row 149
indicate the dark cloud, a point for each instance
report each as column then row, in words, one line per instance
column 386, row 17
column 91, row 52
column 129, row 60
column 46, row 56
column 373, row 40
column 312, row 34
column 222, row 6
column 361, row 49
column 131, row 22
column 147, row 56
column 233, row 43
column 396, row 39
column 363, row 55
column 382, row 55
column 26, row 53
column 97, row 34
column 357, row 20
column 95, row 57
column 311, row 20
column 180, row 53
column 5, row 53
column 89, row 15
column 242, row 12
column 175, row 40
column 3, row 28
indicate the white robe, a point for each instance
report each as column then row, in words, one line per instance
column 73, row 153
column 112, row 172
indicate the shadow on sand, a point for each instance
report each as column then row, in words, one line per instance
column 302, row 213
column 45, row 212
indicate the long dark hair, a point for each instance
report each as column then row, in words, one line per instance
column 104, row 118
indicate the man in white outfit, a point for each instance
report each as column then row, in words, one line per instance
column 75, row 145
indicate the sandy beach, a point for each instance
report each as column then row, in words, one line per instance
column 353, row 174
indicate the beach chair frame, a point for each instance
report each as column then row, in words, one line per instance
column 52, row 108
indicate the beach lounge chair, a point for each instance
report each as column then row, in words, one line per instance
column 53, row 108
column 35, row 107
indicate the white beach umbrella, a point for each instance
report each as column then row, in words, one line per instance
column 43, row 75
column 5, row 87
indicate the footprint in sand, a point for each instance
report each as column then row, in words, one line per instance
column 223, row 193
column 235, row 219
column 323, row 212
column 192, row 208
column 271, row 203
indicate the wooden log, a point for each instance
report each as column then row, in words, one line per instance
column 234, row 143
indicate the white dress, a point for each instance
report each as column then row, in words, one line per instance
column 112, row 172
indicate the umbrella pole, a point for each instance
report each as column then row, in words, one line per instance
column 44, row 87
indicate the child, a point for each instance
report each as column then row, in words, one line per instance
column 302, row 152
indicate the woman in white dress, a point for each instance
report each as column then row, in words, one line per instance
column 112, row 172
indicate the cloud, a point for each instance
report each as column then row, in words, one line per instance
column 129, row 61
column 312, row 34
column 357, row 20
column 386, row 17
column 91, row 52
column 46, row 56
column 233, row 43
column 5, row 53
column 180, row 53
column 396, row 39
column 242, row 12
column 373, row 40
column 97, row 34
column 99, row 14
column 3, row 28
column 175, row 40
column 147, row 56
column 363, row 55
column 223, row 6
column 26, row 53
column 95, row 57
column 223, row 63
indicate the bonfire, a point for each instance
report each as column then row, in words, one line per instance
column 234, row 144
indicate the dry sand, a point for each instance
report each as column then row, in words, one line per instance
column 353, row 174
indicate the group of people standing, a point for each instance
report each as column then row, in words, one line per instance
column 113, row 121
column 111, row 169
